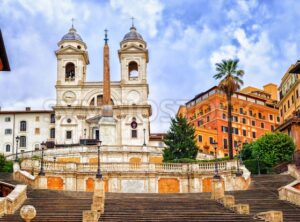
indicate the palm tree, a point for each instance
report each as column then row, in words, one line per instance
column 230, row 82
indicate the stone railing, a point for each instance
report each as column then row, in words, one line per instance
column 69, row 151
column 34, row 165
column 290, row 192
column 12, row 202
column 25, row 177
column 294, row 171
column 270, row 216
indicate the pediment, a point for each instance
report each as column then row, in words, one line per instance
column 69, row 49
column 133, row 48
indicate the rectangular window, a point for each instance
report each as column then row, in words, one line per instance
column 281, row 113
column 271, row 117
column 211, row 140
column 7, row 131
column 223, row 116
column 262, row 125
column 7, row 119
column 235, row 143
column 23, row 126
column 225, row 143
column 278, row 119
column 37, row 131
column 134, row 133
column 224, row 129
column 254, row 135
column 253, row 123
column 259, row 115
column 52, row 118
column 200, row 138
column 200, row 122
column 297, row 93
column 250, row 113
column 272, row 128
column 235, row 119
column 7, row 148
column 289, row 104
column 52, row 133
column 207, row 119
column 244, row 120
column 241, row 111
column 244, row 132
column 23, row 141
column 69, row 135
column 284, row 108
column 37, row 118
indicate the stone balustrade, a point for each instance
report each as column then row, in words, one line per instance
column 270, row 216
column 12, row 202
column 69, row 151
column 290, row 192
column 34, row 165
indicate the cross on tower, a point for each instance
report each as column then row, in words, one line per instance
column 132, row 21
column 105, row 36
column 72, row 22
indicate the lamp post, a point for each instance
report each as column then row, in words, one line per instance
column 216, row 176
column 144, row 137
column 258, row 165
column 17, row 143
column 42, row 173
column 84, row 136
column 238, row 173
column 98, row 174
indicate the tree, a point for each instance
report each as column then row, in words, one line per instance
column 274, row 148
column 180, row 140
column 230, row 82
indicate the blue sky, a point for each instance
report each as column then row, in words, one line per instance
column 185, row 40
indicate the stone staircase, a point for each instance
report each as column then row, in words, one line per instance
column 55, row 206
column 8, row 178
column 263, row 196
column 166, row 207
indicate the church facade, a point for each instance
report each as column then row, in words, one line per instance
column 115, row 112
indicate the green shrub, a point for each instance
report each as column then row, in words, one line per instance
column 2, row 162
column 252, row 166
column 8, row 167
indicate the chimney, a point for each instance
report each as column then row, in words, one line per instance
column 106, row 73
column 27, row 109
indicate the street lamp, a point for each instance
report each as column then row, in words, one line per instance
column 258, row 165
column 99, row 175
column 42, row 173
column 144, row 137
column 216, row 176
column 17, row 142
column 238, row 173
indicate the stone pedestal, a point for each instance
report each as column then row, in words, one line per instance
column 228, row 201
column 107, row 127
column 242, row 209
column 217, row 190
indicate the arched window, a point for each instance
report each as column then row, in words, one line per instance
column 99, row 101
column 7, row 148
column 133, row 70
column 70, row 71
column 23, row 126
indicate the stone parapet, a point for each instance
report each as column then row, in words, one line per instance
column 270, row 216
column 290, row 192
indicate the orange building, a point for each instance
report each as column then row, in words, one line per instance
column 254, row 114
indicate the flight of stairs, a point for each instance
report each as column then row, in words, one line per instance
column 55, row 206
column 8, row 178
column 166, row 207
column 263, row 196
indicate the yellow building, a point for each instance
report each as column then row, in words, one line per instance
column 289, row 95
column 289, row 105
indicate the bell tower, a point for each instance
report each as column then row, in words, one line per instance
column 72, row 59
column 133, row 56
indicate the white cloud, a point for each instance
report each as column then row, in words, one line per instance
column 146, row 12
